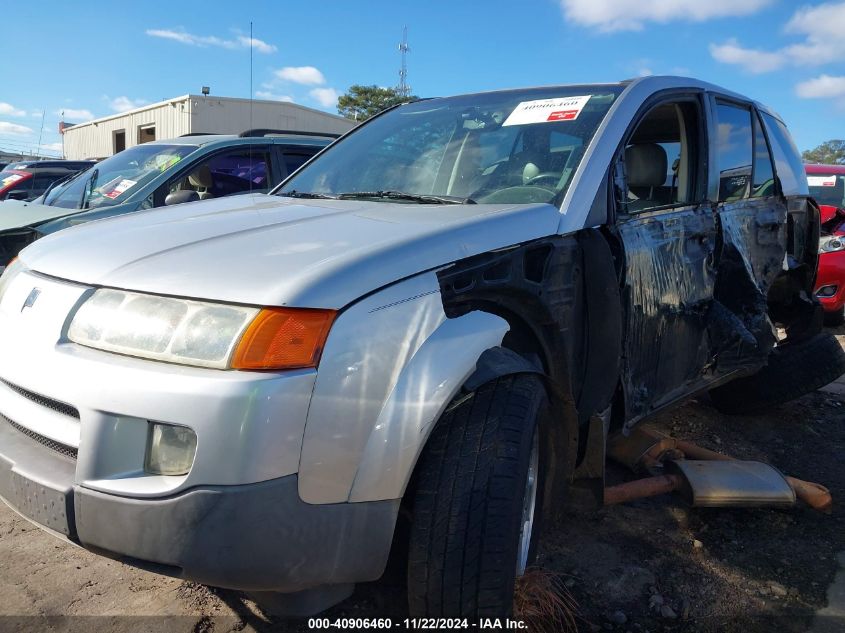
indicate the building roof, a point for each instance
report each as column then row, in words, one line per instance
column 189, row 97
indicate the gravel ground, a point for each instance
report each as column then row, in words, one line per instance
column 654, row 565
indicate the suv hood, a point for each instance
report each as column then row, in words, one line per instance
column 16, row 214
column 275, row 251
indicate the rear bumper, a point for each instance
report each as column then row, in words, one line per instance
column 257, row 537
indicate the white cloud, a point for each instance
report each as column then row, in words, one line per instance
column 14, row 128
column 326, row 97
column 259, row 45
column 821, row 27
column 822, row 87
column 75, row 115
column 51, row 147
column 306, row 75
column 9, row 110
column 124, row 104
column 631, row 15
column 751, row 59
column 183, row 37
column 272, row 96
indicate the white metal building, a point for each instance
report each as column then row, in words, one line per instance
column 191, row 114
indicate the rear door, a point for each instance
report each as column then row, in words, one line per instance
column 751, row 216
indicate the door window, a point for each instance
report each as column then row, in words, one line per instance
column 734, row 149
column 763, row 182
column 230, row 173
column 661, row 159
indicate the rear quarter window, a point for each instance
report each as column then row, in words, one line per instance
column 790, row 169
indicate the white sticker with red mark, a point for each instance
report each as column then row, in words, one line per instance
column 547, row 110
column 821, row 181
column 122, row 186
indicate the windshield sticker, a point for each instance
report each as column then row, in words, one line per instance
column 547, row 110
column 8, row 180
column 821, row 181
column 122, row 186
column 166, row 162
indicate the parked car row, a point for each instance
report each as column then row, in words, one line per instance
column 414, row 344
column 27, row 180
column 159, row 173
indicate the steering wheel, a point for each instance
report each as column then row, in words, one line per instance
column 518, row 194
column 545, row 175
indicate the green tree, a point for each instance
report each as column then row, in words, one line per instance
column 361, row 102
column 828, row 153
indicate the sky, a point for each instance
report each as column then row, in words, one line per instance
column 97, row 58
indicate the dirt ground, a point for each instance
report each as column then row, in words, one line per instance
column 654, row 565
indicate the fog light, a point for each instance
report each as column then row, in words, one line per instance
column 826, row 291
column 170, row 449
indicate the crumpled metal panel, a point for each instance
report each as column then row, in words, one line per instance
column 564, row 290
column 668, row 290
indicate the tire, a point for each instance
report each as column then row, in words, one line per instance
column 834, row 319
column 793, row 371
column 468, row 503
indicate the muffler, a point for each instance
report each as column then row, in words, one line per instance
column 708, row 479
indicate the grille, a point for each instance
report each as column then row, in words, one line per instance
column 62, row 449
column 55, row 405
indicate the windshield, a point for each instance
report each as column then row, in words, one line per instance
column 113, row 180
column 519, row 146
column 827, row 188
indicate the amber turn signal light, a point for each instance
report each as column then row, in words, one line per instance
column 283, row 338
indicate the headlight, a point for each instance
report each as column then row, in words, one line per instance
column 197, row 333
column 831, row 243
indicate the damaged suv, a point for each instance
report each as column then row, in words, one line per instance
column 432, row 324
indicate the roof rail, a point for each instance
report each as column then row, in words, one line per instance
column 267, row 131
column 197, row 134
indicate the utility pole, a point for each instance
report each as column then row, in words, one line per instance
column 403, row 89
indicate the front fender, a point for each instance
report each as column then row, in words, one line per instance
column 427, row 385
column 391, row 364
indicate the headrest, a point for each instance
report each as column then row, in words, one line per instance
column 202, row 178
column 645, row 165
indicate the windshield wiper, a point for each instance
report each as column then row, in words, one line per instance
column 62, row 181
column 88, row 189
column 293, row 193
column 410, row 197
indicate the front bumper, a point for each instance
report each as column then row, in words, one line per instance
column 258, row 537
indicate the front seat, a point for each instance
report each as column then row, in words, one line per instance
column 645, row 168
column 202, row 181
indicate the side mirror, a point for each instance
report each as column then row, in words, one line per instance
column 181, row 196
column 18, row 194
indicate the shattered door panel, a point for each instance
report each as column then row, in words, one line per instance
column 668, row 292
column 753, row 248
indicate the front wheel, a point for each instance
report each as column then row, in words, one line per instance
column 478, row 501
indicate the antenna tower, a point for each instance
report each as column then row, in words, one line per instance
column 403, row 89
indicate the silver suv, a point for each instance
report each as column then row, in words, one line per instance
column 437, row 320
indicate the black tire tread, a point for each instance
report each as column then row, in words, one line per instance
column 457, row 565
column 793, row 371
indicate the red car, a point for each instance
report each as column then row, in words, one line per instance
column 827, row 186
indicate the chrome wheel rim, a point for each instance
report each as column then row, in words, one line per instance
column 529, row 502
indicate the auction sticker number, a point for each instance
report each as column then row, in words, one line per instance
column 547, row 110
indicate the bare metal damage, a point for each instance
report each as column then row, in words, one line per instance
column 653, row 309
